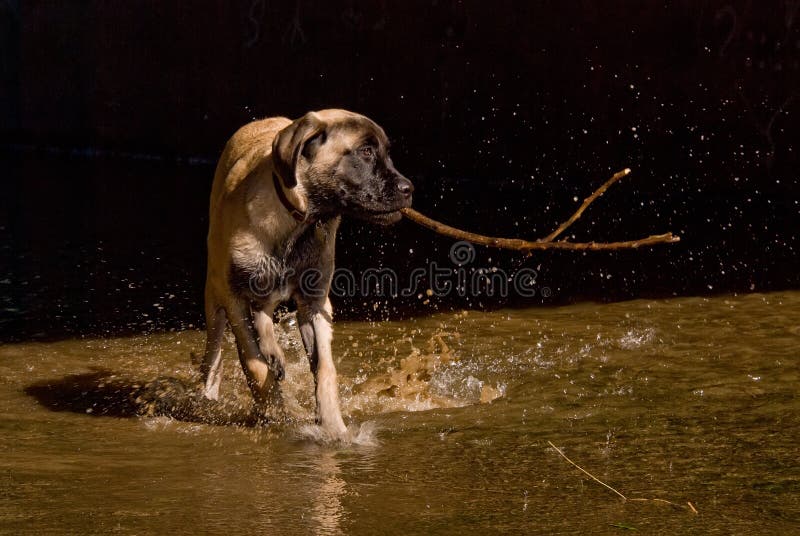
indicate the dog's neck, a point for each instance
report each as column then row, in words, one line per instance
column 297, row 206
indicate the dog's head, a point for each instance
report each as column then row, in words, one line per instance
column 342, row 160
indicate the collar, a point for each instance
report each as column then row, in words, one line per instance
column 296, row 213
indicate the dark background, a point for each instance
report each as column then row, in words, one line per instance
column 112, row 115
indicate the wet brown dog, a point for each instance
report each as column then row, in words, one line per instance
column 280, row 190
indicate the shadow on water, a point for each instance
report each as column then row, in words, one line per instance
column 101, row 393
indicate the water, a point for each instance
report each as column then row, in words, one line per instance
column 685, row 400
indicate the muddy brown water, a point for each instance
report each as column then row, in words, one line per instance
column 682, row 400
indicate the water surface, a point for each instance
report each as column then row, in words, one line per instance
column 684, row 400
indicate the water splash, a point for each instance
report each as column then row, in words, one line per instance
column 429, row 378
column 636, row 338
column 364, row 434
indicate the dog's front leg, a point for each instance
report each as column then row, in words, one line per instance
column 260, row 376
column 267, row 343
column 315, row 320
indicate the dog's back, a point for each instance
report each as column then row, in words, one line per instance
column 248, row 147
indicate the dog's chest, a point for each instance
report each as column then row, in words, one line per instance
column 264, row 274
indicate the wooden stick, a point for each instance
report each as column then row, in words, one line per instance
column 586, row 202
column 526, row 245
column 518, row 244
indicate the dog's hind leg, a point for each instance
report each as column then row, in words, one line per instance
column 211, row 368
column 317, row 333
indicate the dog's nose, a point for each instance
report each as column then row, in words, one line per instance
column 405, row 186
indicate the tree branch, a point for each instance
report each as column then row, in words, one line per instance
column 586, row 202
column 547, row 242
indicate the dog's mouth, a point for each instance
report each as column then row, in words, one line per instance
column 387, row 217
column 380, row 213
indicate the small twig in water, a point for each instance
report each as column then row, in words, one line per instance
column 662, row 501
column 624, row 498
column 587, row 473
column 548, row 241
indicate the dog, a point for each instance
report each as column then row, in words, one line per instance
column 280, row 190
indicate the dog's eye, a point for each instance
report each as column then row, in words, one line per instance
column 367, row 151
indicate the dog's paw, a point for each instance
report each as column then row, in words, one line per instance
column 277, row 366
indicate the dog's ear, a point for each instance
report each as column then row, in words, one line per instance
column 299, row 138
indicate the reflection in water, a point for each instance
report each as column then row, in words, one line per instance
column 327, row 512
